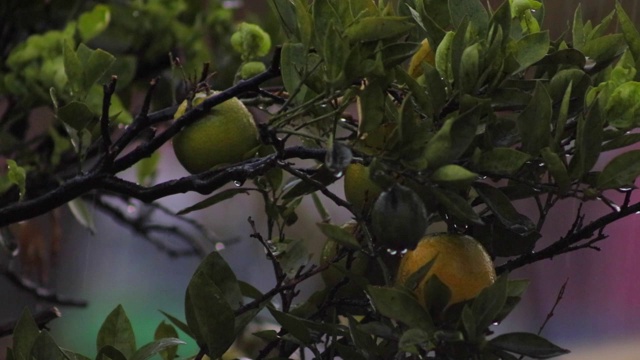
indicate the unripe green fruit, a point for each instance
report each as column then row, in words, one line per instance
column 252, row 69
column 332, row 276
column 399, row 218
column 224, row 136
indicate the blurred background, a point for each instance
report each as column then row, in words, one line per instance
column 597, row 317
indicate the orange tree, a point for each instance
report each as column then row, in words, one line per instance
column 469, row 109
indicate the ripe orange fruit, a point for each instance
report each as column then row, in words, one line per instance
column 462, row 264
column 224, row 136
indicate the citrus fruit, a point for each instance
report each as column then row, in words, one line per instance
column 398, row 218
column 359, row 190
column 462, row 264
column 251, row 69
column 251, row 41
column 333, row 274
column 224, row 136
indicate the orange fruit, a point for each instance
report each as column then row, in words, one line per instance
column 224, row 136
column 462, row 264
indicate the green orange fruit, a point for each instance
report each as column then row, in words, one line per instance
column 224, row 136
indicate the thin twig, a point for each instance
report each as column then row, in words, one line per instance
column 553, row 308
column 108, row 91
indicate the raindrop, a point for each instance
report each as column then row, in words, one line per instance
column 625, row 189
column 338, row 174
column 238, row 183
column 392, row 252
column 495, row 323
column 131, row 209
column 220, row 246
column 533, row 11
column 404, row 251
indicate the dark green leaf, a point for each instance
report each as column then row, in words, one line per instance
column 473, row 10
column 111, row 353
column 371, row 104
column 487, row 305
column 435, row 87
column 286, row 13
column 164, row 331
column 443, row 57
column 77, row 115
column 378, row 28
column 221, row 276
column 116, row 331
column 339, row 234
column 363, row 341
column 73, row 356
column 620, row 172
column 534, row 123
column 502, row 207
column 414, row 279
column 605, row 48
column 178, row 323
column 399, row 305
column 436, row 294
column 209, row 315
column 214, row 199
column 577, row 29
column 17, row 175
column 469, row 69
column 557, row 169
column 299, row 187
column 570, row 56
column 304, row 20
column 24, row 335
column 469, row 323
column 527, row 344
column 588, row 142
column 621, row 141
column 295, row 326
column 531, row 49
column 457, row 206
column 501, row 161
column 156, row 347
column 578, row 79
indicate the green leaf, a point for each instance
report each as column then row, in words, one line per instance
column 577, row 29
column 621, row 141
column 503, row 209
column 214, row 199
column 605, row 48
column 96, row 66
column 111, row 353
column 73, row 68
column 436, row 294
column 116, row 331
column 487, row 305
column 220, row 274
column 44, row 347
column 24, row 335
column 443, row 56
column 452, row 140
column 378, row 28
column 17, row 175
column 77, row 115
column 623, row 106
column 400, row 305
column 362, row 341
column 414, row 340
column 339, row 234
column 292, row 254
column 146, row 168
column 178, row 323
column 300, row 187
column 453, row 175
column 166, row 331
column 501, row 161
column 469, row 69
column 82, row 213
column 588, row 142
column 530, row 49
column 631, row 34
column 94, row 22
column 295, row 326
column 371, row 106
column 621, row 171
column 286, row 13
column 209, row 315
column 557, row 169
column 335, row 52
column 435, row 87
column 73, row 356
column 527, row 344
column 534, row 123
column 473, row 10
column 156, row 347
column 457, row 206
column 304, row 21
